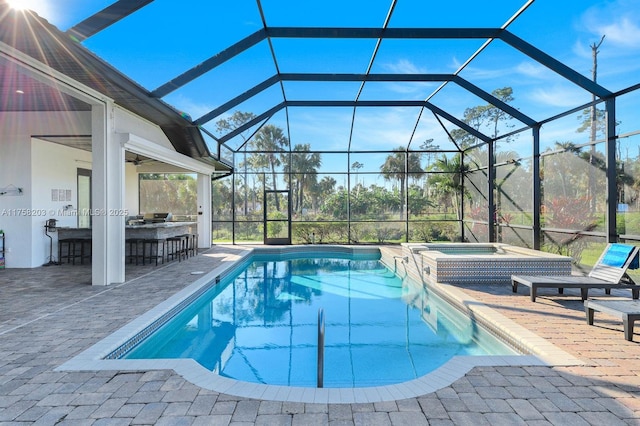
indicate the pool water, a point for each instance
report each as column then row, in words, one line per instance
column 260, row 325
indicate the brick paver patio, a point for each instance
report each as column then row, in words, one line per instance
column 50, row 314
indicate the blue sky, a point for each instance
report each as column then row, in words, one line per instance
column 165, row 38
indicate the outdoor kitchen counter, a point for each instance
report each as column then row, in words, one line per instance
column 154, row 231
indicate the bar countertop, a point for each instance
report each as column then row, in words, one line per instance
column 158, row 230
column 159, row 225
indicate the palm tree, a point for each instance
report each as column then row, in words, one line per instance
column 394, row 168
column 327, row 185
column 269, row 142
column 449, row 182
column 237, row 119
column 303, row 169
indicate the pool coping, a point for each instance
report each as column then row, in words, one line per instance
column 540, row 351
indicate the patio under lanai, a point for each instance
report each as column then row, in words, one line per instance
column 146, row 143
column 40, row 330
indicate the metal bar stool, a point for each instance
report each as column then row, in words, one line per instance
column 176, row 248
column 190, row 244
column 151, row 250
column 192, row 249
column 66, row 249
column 85, row 249
column 134, row 250
column 70, row 249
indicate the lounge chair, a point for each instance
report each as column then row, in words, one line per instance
column 609, row 272
column 627, row 310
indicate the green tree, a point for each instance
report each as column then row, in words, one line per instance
column 487, row 119
column 418, row 201
column 268, row 145
column 226, row 125
column 398, row 166
column 595, row 122
column 494, row 115
column 431, row 151
column 335, row 204
column 355, row 167
column 564, row 167
column 327, row 185
column 221, row 196
column 303, row 169
column 449, row 180
column 168, row 192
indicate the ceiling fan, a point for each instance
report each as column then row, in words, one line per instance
column 137, row 160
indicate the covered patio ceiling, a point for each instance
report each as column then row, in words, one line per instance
column 361, row 75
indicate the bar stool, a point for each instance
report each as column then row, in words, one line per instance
column 69, row 254
column 76, row 248
column 190, row 244
column 85, row 250
column 151, row 250
column 134, row 250
column 192, row 248
column 176, row 247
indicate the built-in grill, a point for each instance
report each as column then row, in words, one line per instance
column 158, row 218
column 149, row 218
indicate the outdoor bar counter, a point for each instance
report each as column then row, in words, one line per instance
column 156, row 231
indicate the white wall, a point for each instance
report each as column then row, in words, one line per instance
column 125, row 122
column 130, row 123
column 17, row 212
column 38, row 166
column 14, row 221
column 53, row 167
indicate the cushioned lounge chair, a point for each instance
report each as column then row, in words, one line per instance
column 609, row 272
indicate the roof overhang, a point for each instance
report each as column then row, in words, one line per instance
column 26, row 32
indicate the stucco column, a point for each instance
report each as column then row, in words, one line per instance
column 107, row 199
column 204, row 210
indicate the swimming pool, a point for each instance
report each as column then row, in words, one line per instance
column 104, row 354
column 260, row 325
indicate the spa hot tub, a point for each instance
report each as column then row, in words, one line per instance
column 483, row 263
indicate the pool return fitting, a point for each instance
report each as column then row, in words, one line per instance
column 320, row 381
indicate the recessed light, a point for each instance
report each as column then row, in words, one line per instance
column 21, row 92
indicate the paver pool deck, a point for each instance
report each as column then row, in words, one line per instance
column 50, row 314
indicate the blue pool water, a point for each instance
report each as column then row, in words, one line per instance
column 260, row 325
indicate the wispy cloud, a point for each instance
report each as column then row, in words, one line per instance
column 559, row 131
column 322, row 128
column 619, row 21
column 558, row 96
column 404, row 66
column 477, row 74
column 625, row 32
column 385, row 128
column 531, row 70
column 190, row 106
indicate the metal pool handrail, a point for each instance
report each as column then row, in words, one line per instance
column 320, row 348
